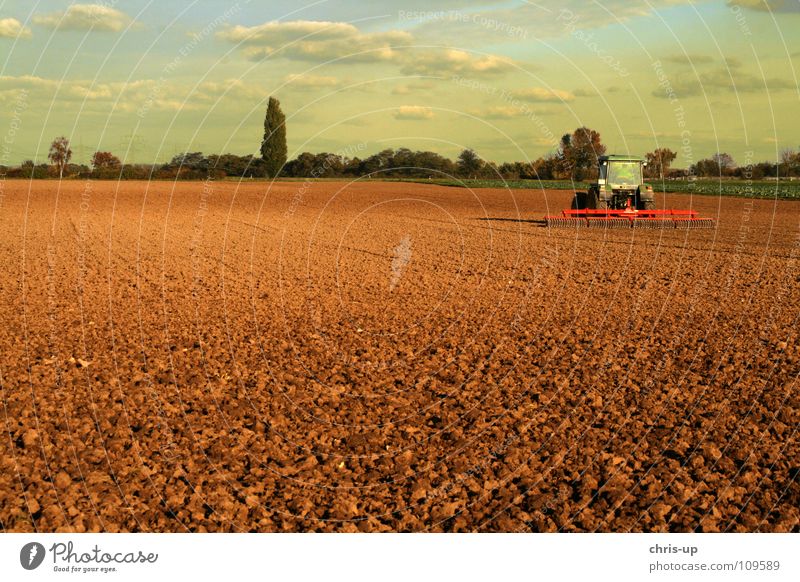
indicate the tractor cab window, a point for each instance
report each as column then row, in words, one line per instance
column 624, row 173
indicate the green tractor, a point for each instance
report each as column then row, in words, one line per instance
column 620, row 199
column 619, row 186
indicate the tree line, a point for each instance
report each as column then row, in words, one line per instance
column 575, row 159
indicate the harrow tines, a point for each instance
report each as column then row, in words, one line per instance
column 704, row 223
column 562, row 222
column 608, row 223
column 653, row 223
column 694, row 223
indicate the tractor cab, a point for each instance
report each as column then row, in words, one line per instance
column 621, row 174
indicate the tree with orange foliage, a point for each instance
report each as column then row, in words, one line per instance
column 105, row 161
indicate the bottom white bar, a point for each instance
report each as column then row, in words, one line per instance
column 354, row 557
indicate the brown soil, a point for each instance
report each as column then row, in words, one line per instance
column 391, row 357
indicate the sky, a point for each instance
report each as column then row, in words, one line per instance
column 147, row 80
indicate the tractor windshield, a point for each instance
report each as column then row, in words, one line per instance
column 624, row 173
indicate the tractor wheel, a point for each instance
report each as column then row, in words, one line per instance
column 603, row 205
column 591, row 200
column 578, row 201
column 643, row 204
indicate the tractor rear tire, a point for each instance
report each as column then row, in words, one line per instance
column 578, row 201
column 591, row 200
column 640, row 204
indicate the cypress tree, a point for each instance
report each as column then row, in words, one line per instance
column 273, row 148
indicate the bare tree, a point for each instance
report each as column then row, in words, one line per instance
column 60, row 154
column 790, row 161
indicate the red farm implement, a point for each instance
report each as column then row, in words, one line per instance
column 620, row 199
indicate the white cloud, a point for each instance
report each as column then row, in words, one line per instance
column 149, row 94
column 542, row 94
column 409, row 88
column 85, row 17
column 316, row 41
column 305, row 82
column 275, row 34
column 10, row 85
column 74, row 92
column 13, row 28
column 451, row 62
column 413, row 112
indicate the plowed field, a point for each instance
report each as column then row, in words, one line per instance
column 391, row 357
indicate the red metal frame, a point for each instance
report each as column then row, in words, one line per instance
column 630, row 217
column 627, row 213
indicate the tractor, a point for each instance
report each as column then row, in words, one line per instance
column 619, row 185
column 619, row 198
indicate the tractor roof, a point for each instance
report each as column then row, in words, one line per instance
column 620, row 158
